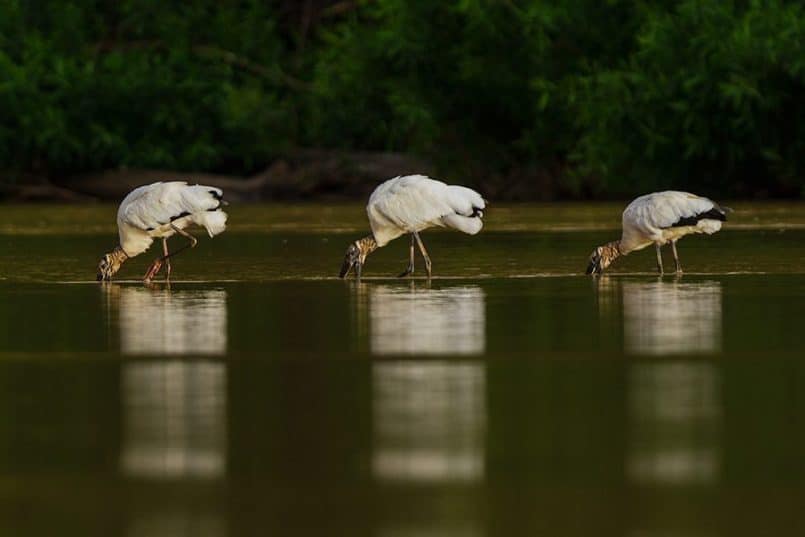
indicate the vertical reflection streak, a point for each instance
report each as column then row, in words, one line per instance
column 675, row 418
column 429, row 421
column 675, row 409
column 174, row 411
column 175, row 420
column 671, row 317
column 410, row 320
column 429, row 416
column 161, row 321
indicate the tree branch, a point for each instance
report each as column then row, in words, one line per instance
column 342, row 8
column 275, row 74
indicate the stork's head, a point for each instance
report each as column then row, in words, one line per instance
column 356, row 255
column 110, row 263
column 353, row 259
column 602, row 257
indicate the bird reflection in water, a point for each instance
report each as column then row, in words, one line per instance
column 160, row 320
column 174, row 411
column 174, row 419
column 675, row 409
column 429, row 416
column 415, row 320
column 672, row 317
column 675, row 421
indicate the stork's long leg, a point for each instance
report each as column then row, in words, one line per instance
column 153, row 270
column 166, row 255
column 424, row 253
column 191, row 244
column 188, row 236
column 155, row 267
column 410, row 269
column 676, row 258
column 659, row 258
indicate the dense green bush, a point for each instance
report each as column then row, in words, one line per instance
column 87, row 85
column 712, row 96
column 602, row 97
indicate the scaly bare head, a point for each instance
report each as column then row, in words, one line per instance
column 603, row 256
column 356, row 255
column 110, row 263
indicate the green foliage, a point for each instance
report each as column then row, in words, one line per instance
column 612, row 97
column 154, row 84
column 712, row 97
column 469, row 83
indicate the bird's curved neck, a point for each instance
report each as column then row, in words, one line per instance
column 612, row 250
column 119, row 254
column 367, row 244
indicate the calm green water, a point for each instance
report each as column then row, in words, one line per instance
column 259, row 395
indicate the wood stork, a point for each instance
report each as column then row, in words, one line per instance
column 658, row 219
column 158, row 211
column 410, row 204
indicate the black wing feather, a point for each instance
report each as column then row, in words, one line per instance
column 713, row 214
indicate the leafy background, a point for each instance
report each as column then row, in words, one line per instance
column 575, row 98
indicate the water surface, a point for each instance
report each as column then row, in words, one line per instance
column 257, row 394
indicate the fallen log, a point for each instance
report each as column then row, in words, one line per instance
column 302, row 174
column 115, row 184
column 42, row 192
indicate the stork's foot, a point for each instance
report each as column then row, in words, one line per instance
column 153, row 270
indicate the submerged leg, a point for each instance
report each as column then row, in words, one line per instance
column 659, row 258
column 410, row 269
column 424, row 253
column 676, row 258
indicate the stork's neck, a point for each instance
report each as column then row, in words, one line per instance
column 611, row 251
column 118, row 254
column 366, row 245
column 111, row 262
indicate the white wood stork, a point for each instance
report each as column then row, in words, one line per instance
column 158, row 211
column 410, row 204
column 658, row 219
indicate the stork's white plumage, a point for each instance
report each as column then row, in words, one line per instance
column 660, row 218
column 158, row 211
column 410, row 204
